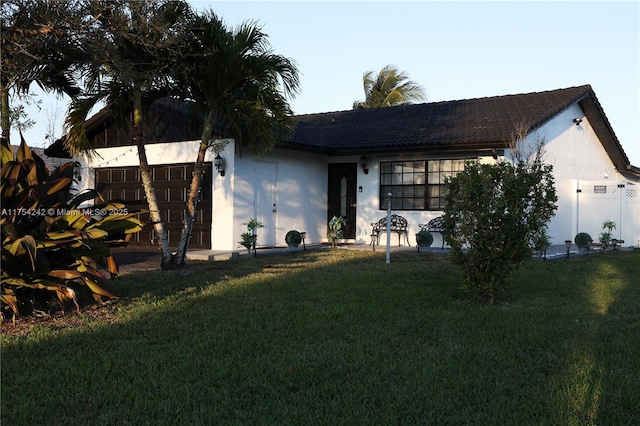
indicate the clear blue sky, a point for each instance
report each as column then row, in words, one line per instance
column 457, row 50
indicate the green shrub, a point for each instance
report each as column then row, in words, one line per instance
column 424, row 238
column 582, row 239
column 293, row 238
column 51, row 246
column 492, row 214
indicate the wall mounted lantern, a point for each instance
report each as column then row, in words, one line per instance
column 218, row 162
column 577, row 121
column 363, row 163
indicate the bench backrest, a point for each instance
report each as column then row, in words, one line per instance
column 434, row 225
column 398, row 223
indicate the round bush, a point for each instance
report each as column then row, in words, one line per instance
column 293, row 238
column 582, row 239
column 424, row 238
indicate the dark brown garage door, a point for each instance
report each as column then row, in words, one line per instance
column 171, row 183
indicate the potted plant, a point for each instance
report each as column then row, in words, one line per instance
column 582, row 239
column 253, row 224
column 542, row 242
column 424, row 238
column 250, row 237
column 293, row 239
column 336, row 225
column 607, row 231
column 246, row 240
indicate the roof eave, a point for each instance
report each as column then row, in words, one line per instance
column 604, row 131
column 459, row 148
column 631, row 172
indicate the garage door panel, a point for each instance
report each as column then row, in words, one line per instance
column 162, row 194
column 132, row 175
column 176, row 216
column 103, row 176
column 132, row 194
column 176, row 173
column 177, row 194
column 117, row 175
column 160, row 174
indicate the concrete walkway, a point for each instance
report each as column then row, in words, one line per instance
column 148, row 258
column 554, row 252
column 213, row 255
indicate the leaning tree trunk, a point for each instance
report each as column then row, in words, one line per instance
column 147, row 183
column 4, row 120
column 194, row 193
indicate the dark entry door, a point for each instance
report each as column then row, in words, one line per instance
column 341, row 195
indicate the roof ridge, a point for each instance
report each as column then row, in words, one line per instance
column 585, row 87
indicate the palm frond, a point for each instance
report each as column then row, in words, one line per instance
column 388, row 88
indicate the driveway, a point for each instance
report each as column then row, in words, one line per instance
column 137, row 258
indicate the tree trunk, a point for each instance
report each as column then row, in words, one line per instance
column 194, row 193
column 4, row 120
column 147, row 183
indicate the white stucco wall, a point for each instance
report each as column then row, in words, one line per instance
column 576, row 154
column 300, row 196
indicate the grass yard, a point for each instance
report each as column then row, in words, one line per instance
column 338, row 337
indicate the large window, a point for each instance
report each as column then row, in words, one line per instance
column 416, row 185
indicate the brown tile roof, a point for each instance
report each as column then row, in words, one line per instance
column 487, row 122
column 462, row 125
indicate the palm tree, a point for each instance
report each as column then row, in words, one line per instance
column 389, row 88
column 235, row 79
column 134, row 65
column 41, row 43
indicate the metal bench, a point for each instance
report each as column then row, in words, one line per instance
column 398, row 224
column 614, row 243
column 434, row 225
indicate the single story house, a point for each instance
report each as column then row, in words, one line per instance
column 344, row 163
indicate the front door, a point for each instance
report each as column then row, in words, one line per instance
column 341, row 195
column 264, row 201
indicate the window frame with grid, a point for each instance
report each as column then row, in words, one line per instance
column 416, row 184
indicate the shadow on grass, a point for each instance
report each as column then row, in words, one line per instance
column 613, row 393
column 320, row 337
column 597, row 331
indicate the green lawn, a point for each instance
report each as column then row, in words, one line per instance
column 338, row 337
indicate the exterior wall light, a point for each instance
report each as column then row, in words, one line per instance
column 363, row 163
column 218, row 162
column 577, row 121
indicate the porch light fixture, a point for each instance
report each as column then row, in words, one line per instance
column 218, row 162
column 577, row 121
column 567, row 243
column 363, row 163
